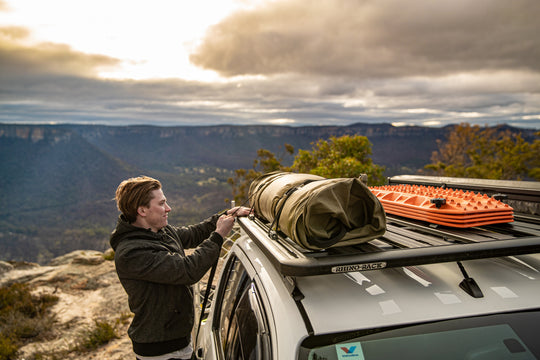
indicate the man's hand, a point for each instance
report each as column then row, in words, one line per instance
column 240, row 211
column 224, row 225
column 225, row 222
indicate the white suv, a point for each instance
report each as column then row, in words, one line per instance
column 419, row 292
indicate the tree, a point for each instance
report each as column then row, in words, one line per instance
column 534, row 172
column 489, row 153
column 347, row 156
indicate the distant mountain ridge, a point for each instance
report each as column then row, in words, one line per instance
column 237, row 145
column 57, row 181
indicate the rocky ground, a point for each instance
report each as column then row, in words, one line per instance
column 88, row 290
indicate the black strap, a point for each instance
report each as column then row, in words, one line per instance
column 322, row 243
column 278, row 214
column 283, row 200
column 206, row 296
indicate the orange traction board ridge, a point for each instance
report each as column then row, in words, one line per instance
column 456, row 208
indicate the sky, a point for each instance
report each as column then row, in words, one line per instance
column 278, row 62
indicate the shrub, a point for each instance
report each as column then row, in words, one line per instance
column 8, row 349
column 101, row 333
column 22, row 316
column 109, row 255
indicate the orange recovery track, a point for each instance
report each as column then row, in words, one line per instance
column 449, row 207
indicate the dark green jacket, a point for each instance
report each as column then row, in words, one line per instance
column 157, row 276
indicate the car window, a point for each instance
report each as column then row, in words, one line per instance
column 242, row 329
column 242, row 337
column 500, row 336
column 233, row 283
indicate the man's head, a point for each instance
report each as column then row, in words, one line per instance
column 134, row 193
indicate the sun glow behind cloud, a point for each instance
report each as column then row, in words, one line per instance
column 279, row 121
column 152, row 39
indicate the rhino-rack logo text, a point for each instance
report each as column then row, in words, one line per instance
column 358, row 267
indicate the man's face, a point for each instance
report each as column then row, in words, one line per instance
column 157, row 211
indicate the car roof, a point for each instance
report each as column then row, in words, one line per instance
column 401, row 295
column 406, row 295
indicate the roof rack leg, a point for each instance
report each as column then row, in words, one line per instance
column 468, row 284
column 298, row 297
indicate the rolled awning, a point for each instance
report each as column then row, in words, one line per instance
column 316, row 212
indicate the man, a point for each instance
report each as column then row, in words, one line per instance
column 154, row 270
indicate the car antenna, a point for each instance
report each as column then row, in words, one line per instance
column 468, row 284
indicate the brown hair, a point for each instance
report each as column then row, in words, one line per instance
column 135, row 192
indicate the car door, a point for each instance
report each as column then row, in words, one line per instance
column 240, row 327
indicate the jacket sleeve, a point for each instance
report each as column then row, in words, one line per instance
column 193, row 235
column 160, row 265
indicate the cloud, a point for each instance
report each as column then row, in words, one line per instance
column 318, row 62
column 179, row 102
column 383, row 38
column 18, row 59
column 13, row 33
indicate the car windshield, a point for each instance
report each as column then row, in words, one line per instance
column 501, row 336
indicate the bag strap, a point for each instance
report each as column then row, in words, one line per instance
column 320, row 242
column 283, row 200
column 325, row 243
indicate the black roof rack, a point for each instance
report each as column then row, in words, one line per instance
column 410, row 242
column 406, row 243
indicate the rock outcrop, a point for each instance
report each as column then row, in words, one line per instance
column 88, row 290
